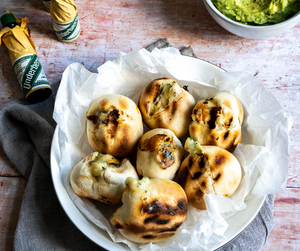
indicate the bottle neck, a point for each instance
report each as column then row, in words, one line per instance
column 8, row 20
column 11, row 25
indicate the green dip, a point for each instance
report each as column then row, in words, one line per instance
column 258, row 12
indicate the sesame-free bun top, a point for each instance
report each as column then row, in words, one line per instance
column 217, row 120
column 164, row 104
column 208, row 170
column 101, row 177
column 114, row 125
column 159, row 154
column 152, row 210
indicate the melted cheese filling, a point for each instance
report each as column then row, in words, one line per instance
column 101, row 162
column 168, row 92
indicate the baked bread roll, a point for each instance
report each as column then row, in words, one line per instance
column 101, row 177
column 114, row 125
column 152, row 210
column 217, row 120
column 208, row 170
column 159, row 154
column 164, row 104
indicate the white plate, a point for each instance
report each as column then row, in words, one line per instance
column 237, row 223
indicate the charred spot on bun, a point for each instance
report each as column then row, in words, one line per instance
column 217, row 120
column 208, row 170
column 114, row 125
column 152, row 210
column 164, row 104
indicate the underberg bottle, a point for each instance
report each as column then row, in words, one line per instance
column 23, row 56
column 65, row 20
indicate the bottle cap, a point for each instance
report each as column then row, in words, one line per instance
column 7, row 18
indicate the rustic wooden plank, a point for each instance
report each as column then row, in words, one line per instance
column 279, row 244
column 286, row 232
column 11, row 193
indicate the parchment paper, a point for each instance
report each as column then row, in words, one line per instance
column 263, row 152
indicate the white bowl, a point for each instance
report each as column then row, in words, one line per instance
column 195, row 67
column 250, row 31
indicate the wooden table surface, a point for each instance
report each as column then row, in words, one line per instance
column 109, row 27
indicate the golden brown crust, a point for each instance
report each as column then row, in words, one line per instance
column 159, row 154
column 152, row 210
column 164, row 104
column 114, row 125
column 208, row 170
column 217, row 121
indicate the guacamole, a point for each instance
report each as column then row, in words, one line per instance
column 258, row 12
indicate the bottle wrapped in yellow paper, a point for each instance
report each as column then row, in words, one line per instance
column 65, row 20
column 23, row 56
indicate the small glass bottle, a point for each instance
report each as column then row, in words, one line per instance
column 24, row 59
column 65, row 20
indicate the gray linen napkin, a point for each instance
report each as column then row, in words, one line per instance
column 25, row 135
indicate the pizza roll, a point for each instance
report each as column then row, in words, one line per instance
column 101, row 177
column 208, row 170
column 152, row 210
column 114, row 125
column 164, row 104
column 159, row 154
column 217, row 120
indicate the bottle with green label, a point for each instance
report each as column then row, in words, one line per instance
column 65, row 20
column 23, row 56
